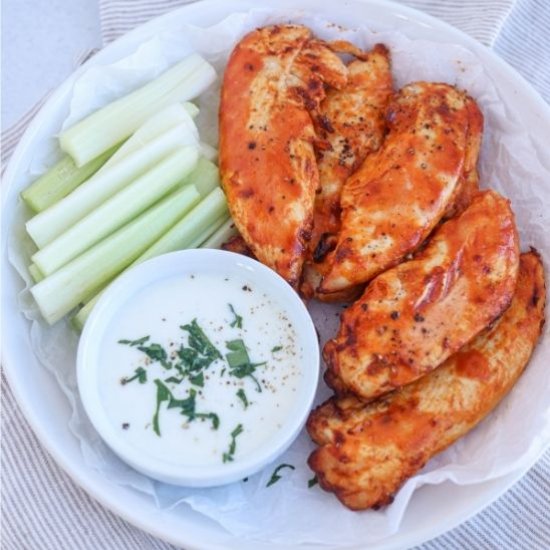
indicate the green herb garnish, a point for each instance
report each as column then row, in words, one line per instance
column 238, row 354
column 275, row 475
column 163, row 394
column 140, row 374
column 210, row 416
column 239, row 361
column 200, row 354
column 242, row 396
column 197, row 380
column 276, row 348
column 174, row 380
column 187, row 406
column 155, row 352
column 237, row 321
column 313, row 481
column 228, row 456
column 200, row 342
column 137, row 342
column 191, row 360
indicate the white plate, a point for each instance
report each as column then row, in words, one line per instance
column 41, row 398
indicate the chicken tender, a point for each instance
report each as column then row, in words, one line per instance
column 468, row 184
column 350, row 125
column 414, row 316
column 368, row 451
column 272, row 87
column 401, row 192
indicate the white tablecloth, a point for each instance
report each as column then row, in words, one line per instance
column 43, row 509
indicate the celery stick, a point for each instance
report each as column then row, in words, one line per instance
column 205, row 177
column 212, row 230
column 60, row 180
column 79, row 320
column 116, row 211
column 36, row 274
column 80, row 279
column 81, row 317
column 207, row 151
column 191, row 109
column 209, row 231
column 160, row 122
column 50, row 223
column 111, row 124
column 190, row 227
column 223, row 234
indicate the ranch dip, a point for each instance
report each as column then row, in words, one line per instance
column 200, row 370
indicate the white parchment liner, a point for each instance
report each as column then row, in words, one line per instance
column 289, row 512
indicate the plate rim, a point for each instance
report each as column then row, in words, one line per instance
column 78, row 472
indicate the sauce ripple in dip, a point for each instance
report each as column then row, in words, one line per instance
column 200, row 370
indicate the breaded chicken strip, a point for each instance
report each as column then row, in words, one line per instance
column 368, row 451
column 414, row 316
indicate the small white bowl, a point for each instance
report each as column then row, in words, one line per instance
column 184, row 263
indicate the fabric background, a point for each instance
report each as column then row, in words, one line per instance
column 43, row 509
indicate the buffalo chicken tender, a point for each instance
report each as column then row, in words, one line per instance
column 368, row 451
column 401, row 192
column 274, row 80
column 468, row 183
column 414, row 316
column 350, row 125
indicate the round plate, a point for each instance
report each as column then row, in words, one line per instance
column 41, row 398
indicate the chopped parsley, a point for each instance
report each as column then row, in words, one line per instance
column 200, row 342
column 242, row 396
column 137, row 342
column 276, row 348
column 237, row 321
column 155, row 352
column 312, row 482
column 228, row 456
column 197, row 379
column 187, row 407
column 140, row 374
column 174, row 380
column 239, row 362
column 163, row 394
column 190, row 362
column 275, row 475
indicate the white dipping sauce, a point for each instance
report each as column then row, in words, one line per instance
column 157, row 311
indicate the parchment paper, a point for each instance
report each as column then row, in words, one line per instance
column 289, row 512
